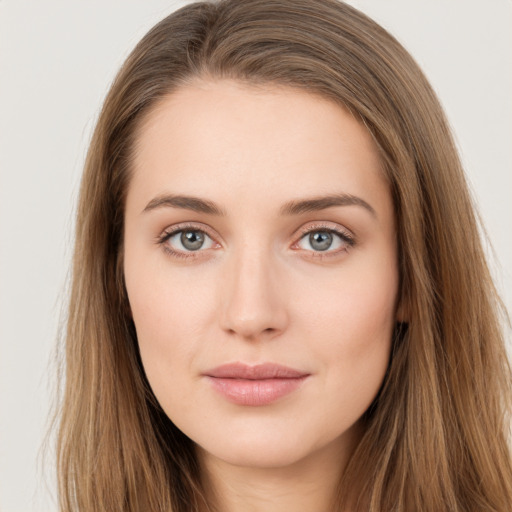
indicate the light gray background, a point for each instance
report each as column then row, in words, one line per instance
column 57, row 59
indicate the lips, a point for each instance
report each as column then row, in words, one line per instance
column 257, row 385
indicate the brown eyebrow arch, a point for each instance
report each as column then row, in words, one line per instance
column 194, row 204
column 323, row 202
column 295, row 207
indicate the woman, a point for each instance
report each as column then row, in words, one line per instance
column 279, row 300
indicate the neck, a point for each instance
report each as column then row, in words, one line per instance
column 309, row 484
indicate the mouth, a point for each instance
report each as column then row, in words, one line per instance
column 257, row 385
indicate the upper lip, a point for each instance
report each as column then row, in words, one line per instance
column 254, row 372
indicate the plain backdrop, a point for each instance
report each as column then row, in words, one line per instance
column 57, row 59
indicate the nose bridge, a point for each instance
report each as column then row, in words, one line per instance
column 253, row 305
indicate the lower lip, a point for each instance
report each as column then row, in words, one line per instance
column 255, row 392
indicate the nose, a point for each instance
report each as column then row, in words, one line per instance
column 254, row 306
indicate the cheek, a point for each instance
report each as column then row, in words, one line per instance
column 351, row 326
column 357, row 305
column 358, row 337
column 168, row 313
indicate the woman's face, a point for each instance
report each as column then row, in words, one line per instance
column 261, row 269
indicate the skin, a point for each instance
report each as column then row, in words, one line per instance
column 258, row 290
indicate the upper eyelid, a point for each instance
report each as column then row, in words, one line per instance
column 332, row 226
column 317, row 225
column 172, row 230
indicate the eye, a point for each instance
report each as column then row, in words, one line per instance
column 320, row 241
column 325, row 240
column 183, row 240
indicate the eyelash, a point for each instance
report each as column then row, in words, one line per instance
column 346, row 237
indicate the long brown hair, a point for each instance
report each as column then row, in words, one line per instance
column 436, row 437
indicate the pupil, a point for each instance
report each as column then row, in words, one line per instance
column 320, row 240
column 192, row 240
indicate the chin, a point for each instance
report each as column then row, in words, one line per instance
column 257, row 457
column 279, row 450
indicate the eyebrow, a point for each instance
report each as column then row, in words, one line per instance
column 294, row 207
column 313, row 204
column 194, row 204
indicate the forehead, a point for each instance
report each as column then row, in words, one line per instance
column 227, row 139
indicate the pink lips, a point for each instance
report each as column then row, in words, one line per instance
column 255, row 385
